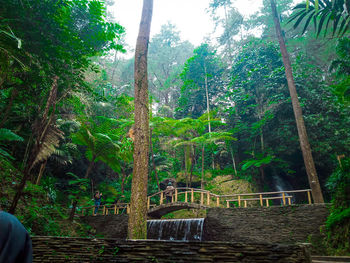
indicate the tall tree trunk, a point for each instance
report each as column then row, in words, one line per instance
column 137, row 227
column 89, row 169
column 202, row 177
column 153, row 162
column 72, row 211
column 123, row 180
column 192, row 164
column 41, row 172
column 186, row 164
column 233, row 162
column 208, row 109
column 304, row 142
column 40, row 131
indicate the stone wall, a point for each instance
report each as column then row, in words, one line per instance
column 61, row 249
column 286, row 224
column 111, row 226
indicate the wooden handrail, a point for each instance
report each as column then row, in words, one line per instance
column 207, row 198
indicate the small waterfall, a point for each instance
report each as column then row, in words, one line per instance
column 175, row 229
column 281, row 185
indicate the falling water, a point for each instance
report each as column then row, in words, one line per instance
column 175, row 229
column 281, row 185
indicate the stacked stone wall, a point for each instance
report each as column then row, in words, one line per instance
column 61, row 249
column 285, row 224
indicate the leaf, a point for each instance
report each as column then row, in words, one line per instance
column 48, row 146
column 8, row 135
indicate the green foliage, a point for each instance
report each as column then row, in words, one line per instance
column 6, row 136
column 323, row 13
column 341, row 68
column 338, row 222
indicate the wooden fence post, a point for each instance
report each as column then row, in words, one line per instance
column 148, row 202
column 161, row 197
column 309, row 197
column 128, row 208
column 239, row 201
column 267, row 202
column 202, row 198
column 217, row 201
column 208, row 198
column 261, row 200
column 192, row 196
column 186, row 197
column 284, row 198
column 176, row 195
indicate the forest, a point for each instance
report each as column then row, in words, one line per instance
column 221, row 109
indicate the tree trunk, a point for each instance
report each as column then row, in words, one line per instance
column 185, row 156
column 202, row 177
column 304, row 142
column 153, row 162
column 40, row 131
column 233, row 162
column 123, row 180
column 137, row 227
column 72, row 211
column 89, row 169
column 41, row 172
column 192, row 164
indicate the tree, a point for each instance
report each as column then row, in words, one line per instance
column 101, row 141
column 137, row 226
column 323, row 13
column 201, row 82
column 167, row 54
column 304, row 142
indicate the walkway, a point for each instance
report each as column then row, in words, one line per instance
column 194, row 198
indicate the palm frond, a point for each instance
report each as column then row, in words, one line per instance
column 49, row 145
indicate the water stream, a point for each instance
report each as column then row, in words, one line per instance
column 175, row 229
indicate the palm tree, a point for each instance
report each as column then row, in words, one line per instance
column 303, row 138
column 323, row 13
column 101, row 141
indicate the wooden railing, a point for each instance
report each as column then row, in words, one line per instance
column 107, row 209
column 206, row 198
column 265, row 197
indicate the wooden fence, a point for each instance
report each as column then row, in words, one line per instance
column 206, row 198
